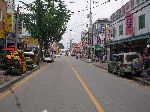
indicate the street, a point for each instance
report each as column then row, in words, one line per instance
column 71, row 85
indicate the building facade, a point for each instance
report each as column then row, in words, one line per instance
column 11, row 34
column 130, row 27
column 10, row 6
column 3, row 8
column 101, row 35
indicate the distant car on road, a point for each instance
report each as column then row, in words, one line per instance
column 126, row 63
column 48, row 59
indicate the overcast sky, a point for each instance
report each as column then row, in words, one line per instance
column 78, row 21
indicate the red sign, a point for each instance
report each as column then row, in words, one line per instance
column 129, row 24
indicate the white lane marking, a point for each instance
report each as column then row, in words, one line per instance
column 44, row 111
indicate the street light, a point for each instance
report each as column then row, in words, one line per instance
column 90, row 28
column 70, row 39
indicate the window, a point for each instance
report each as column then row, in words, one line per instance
column 142, row 21
column 121, row 29
column 114, row 32
column 130, row 58
column 1, row 15
column 137, row 1
column 121, row 58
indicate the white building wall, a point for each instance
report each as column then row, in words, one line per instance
column 11, row 9
column 10, row 6
column 145, row 11
column 136, row 30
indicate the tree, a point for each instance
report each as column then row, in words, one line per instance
column 46, row 20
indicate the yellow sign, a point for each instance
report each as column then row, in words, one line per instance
column 8, row 22
column 2, row 34
column 31, row 40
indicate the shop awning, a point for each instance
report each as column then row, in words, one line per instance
column 129, row 39
column 99, row 47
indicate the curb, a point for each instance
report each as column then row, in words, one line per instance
column 96, row 65
column 8, row 84
column 142, row 81
column 100, row 66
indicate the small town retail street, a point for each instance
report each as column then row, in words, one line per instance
column 71, row 85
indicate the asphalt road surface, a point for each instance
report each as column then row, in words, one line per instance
column 71, row 85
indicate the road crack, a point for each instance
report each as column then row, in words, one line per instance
column 17, row 100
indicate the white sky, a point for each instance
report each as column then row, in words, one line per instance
column 79, row 20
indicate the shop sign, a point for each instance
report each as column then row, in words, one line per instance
column 2, row 34
column 94, row 40
column 8, row 22
column 129, row 24
column 102, row 28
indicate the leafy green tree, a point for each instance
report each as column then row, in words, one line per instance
column 46, row 20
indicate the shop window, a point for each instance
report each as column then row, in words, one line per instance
column 121, row 29
column 142, row 21
column 1, row 15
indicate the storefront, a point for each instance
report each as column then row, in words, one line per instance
column 132, row 44
column 1, row 44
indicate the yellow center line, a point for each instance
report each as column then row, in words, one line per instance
column 88, row 91
column 20, row 83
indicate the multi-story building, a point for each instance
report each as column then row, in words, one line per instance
column 130, row 27
column 101, row 34
column 3, row 7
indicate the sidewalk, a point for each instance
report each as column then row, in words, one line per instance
column 143, row 78
column 98, row 64
column 7, row 80
column 101, row 65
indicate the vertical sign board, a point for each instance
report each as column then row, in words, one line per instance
column 8, row 22
column 2, row 34
column 94, row 40
column 129, row 24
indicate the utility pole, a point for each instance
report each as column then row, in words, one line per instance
column 16, row 32
column 90, row 30
column 70, row 40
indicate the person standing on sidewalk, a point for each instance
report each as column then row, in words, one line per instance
column 146, row 59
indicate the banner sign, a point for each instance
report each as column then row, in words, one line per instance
column 102, row 28
column 129, row 24
column 94, row 40
column 8, row 22
column 2, row 34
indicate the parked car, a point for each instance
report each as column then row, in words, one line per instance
column 48, row 59
column 126, row 63
column 57, row 55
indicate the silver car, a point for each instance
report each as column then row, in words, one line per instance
column 126, row 63
column 48, row 58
